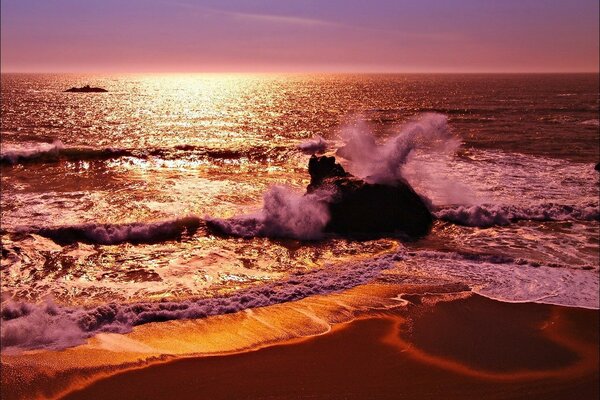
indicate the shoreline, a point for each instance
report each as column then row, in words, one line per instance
column 390, row 354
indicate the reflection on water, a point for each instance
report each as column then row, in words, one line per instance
column 159, row 147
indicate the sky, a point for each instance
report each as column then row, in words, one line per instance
column 300, row 36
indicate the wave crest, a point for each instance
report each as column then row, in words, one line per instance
column 285, row 213
column 48, row 326
column 30, row 152
column 314, row 146
column 109, row 234
column 57, row 151
column 488, row 215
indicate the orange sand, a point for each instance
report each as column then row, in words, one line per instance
column 468, row 348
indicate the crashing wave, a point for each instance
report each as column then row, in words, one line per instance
column 109, row 234
column 492, row 214
column 39, row 151
column 57, row 151
column 383, row 163
column 316, row 145
column 285, row 213
column 50, row 326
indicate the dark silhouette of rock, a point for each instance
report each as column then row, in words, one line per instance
column 597, row 167
column 368, row 208
column 321, row 168
column 86, row 89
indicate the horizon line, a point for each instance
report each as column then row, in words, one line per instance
column 283, row 72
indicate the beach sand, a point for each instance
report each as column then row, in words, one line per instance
column 468, row 348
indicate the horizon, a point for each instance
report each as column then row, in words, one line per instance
column 315, row 72
column 262, row 36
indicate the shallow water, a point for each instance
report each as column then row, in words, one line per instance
column 134, row 172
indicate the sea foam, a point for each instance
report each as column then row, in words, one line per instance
column 285, row 213
column 15, row 154
column 315, row 145
column 382, row 163
column 487, row 215
column 109, row 234
column 49, row 326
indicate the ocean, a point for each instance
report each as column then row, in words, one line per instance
column 105, row 196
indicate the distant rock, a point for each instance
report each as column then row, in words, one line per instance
column 86, row 89
column 361, row 207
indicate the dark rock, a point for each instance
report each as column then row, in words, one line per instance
column 86, row 89
column 368, row 208
column 321, row 168
column 597, row 167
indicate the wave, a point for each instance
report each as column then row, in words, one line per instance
column 591, row 122
column 50, row 326
column 383, row 163
column 110, row 234
column 488, row 215
column 32, row 152
column 316, row 145
column 490, row 258
column 502, row 278
column 285, row 214
column 488, row 110
column 57, row 151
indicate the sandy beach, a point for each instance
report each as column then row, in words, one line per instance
column 467, row 348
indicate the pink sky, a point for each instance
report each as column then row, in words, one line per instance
column 297, row 36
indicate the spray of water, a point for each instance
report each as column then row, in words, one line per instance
column 400, row 157
column 316, row 145
column 285, row 213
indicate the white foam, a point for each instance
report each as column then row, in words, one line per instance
column 506, row 279
column 487, row 215
column 382, row 163
column 48, row 326
column 13, row 154
column 107, row 234
column 592, row 122
column 316, row 145
column 285, row 213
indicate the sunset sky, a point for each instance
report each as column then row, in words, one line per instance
column 296, row 36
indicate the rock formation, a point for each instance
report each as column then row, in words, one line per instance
column 368, row 208
column 86, row 89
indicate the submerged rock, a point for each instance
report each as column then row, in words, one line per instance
column 597, row 167
column 370, row 208
column 86, row 89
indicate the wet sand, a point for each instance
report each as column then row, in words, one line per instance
column 467, row 348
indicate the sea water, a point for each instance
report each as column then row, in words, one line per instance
column 105, row 196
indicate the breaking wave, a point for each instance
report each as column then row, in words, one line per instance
column 285, row 214
column 492, row 214
column 503, row 278
column 316, row 145
column 383, row 163
column 38, row 151
column 50, row 326
column 109, row 234
column 591, row 122
column 57, row 151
